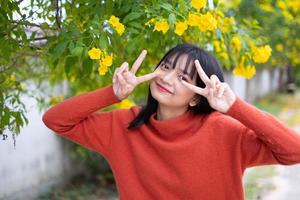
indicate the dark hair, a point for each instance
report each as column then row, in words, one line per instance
column 210, row 67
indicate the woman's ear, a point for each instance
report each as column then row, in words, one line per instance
column 194, row 101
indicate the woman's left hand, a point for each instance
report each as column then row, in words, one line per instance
column 219, row 94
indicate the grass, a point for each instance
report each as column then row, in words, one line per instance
column 259, row 182
column 82, row 189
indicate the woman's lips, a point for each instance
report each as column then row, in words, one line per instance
column 162, row 89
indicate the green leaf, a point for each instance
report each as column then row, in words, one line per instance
column 216, row 2
column 182, row 6
column 44, row 25
column 133, row 31
column 5, row 118
column 19, row 119
column 131, row 16
column 167, row 7
column 172, row 19
column 136, row 25
column 69, row 63
column 87, row 66
column 77, row 51
column 103, row 41
column 58, row 49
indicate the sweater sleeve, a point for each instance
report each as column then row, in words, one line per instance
column 77, row 120
column 265, row 140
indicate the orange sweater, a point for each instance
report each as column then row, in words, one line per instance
column 187, row 157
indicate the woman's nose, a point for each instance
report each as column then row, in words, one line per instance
column 168, row 77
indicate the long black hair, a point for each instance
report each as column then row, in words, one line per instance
column 210, row 67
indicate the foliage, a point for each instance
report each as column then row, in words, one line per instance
column 50, row 42
column 279, row 21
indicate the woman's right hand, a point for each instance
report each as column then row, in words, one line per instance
column 124, row 80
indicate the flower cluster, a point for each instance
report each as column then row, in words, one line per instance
column 105, row 60
column 225, row 24
column 116, row 24
column 205, row 22
column 220, row 49
column 236, row 43
column 180, row 27
column 246, row 71
column 261, row 54
column 162, row 26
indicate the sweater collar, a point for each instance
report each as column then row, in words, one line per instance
column 179, row 127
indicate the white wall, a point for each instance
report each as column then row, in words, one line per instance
column 38, row 162
column 264, row 82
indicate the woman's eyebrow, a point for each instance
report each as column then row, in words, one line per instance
column 167, row 61
column 183, row 71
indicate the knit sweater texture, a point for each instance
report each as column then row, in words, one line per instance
column 187, row 157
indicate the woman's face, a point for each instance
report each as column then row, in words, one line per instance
column 167, row 87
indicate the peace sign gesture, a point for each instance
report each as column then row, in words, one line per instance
column 124, row 80
column 219, row 94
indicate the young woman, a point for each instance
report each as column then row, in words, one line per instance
column 192, row 140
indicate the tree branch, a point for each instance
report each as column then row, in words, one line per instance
column 57, row 14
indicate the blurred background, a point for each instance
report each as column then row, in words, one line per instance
column 51, row 50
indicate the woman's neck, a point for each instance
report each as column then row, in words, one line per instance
column 165, row 113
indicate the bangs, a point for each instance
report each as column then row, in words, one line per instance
column 189, row 65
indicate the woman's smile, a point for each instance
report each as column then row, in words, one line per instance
column 162, row 88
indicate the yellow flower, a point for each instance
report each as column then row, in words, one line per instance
column 207, row 22
column 162, row 26
column 281, row 4
column 55, row 100
column 126, row 103
column 279, row 47
column 198, row 4
column 193, row 19
column 187, row 38
column 287, row 15
column 150, row 22
column 94, row 53
column 267, row 7
column 180, row 27
column 224, row 55
column 113, row 20
column 219, row 13
column 217, row 46
column 107, row 60
column 294, row 5
column 102, row 69
column 120, row 28
column 115, row 23
column 225, row 24
column 261, row 54
column 236, row 43
column 247, row 72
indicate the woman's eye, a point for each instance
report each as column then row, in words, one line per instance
column 181, row 77
column 164, row 66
